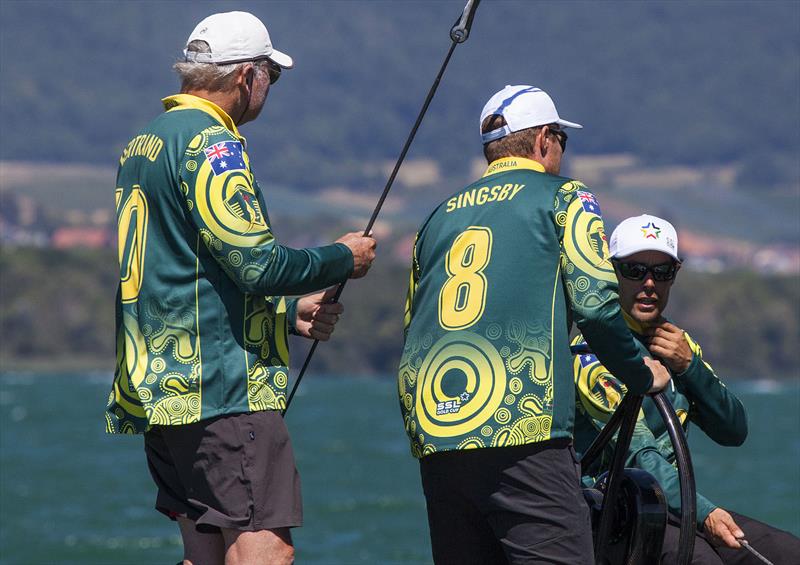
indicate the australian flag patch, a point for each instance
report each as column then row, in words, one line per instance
column 225, row 156
column 588, row 201
column 587, row 359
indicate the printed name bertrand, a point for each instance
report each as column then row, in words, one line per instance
column 484, row 194
column 145, row 145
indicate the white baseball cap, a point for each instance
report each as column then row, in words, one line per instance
column 644, row 233
column 523, row 107
column 234, row 37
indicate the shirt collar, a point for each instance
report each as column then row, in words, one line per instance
column 510, row 163
column 634, row 325
column 191, row 102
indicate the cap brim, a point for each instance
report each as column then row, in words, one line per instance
column 632, row 250
column 282, row 59
column 566, row 124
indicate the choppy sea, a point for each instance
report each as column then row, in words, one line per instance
column 71, row 494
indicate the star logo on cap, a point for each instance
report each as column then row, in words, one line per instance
column 651, row 231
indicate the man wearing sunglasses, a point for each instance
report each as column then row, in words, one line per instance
column 202, row 318
column 499, row 270
column 644, row 252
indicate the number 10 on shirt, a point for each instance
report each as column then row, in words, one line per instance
column 132, row 216
column 463, row 295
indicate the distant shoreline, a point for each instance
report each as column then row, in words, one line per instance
column 57, row 366
column 94, row 367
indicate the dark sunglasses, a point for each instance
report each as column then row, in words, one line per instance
column 638, row 271
column 273, row 69
column 561, row 135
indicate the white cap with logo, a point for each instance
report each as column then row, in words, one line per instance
column 644, row 233
column 234, row 37
column 523, row 107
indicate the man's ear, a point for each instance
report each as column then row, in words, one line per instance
column 244, row 76
column 540, row 143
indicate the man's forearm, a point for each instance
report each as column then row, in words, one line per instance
column 714, row 408
column 651, row 460
column 300, row 271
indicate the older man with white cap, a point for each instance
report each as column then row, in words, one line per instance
column 202, row 321
column 500, row 270
column 644, row 251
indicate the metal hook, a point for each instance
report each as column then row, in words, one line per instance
column 460, row 31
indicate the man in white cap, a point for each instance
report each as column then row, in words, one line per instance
column 500, row 269
column 644, row 251
column 202, row 321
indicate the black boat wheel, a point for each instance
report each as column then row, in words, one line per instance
column 624, row 419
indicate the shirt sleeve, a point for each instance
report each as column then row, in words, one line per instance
column 413, row 281
column 591, row 286
column 229, row 214
column 714, row 408
column 599, row 394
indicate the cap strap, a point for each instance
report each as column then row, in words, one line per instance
column 195, row 57
column 495, row 134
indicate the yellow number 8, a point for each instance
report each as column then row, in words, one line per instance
column 463, row 296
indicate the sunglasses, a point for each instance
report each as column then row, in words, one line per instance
column 561, row 135
column 273, row 69
column 638, row 271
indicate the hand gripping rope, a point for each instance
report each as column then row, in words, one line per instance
column 458, row 34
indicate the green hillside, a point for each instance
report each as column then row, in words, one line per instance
column 59, row 314
column 701, row 97
column 672, row 82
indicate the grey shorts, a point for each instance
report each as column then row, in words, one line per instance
column 235, row 471
column 507, row 505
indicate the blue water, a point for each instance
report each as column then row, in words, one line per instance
column 71, row 494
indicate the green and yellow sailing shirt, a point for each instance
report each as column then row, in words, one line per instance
column 697, row 395
column 498, row 271
column 201, row 325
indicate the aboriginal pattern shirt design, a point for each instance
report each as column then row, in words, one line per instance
column 193, row 233
column 697, row 395
column 495, row 270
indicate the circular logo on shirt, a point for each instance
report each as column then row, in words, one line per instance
column 461, row 384
column 229, row 207
column 584, row 235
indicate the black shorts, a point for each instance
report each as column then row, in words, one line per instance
column 235, row 471
column 507, row 505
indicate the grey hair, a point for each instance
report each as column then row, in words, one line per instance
column 205, row 76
